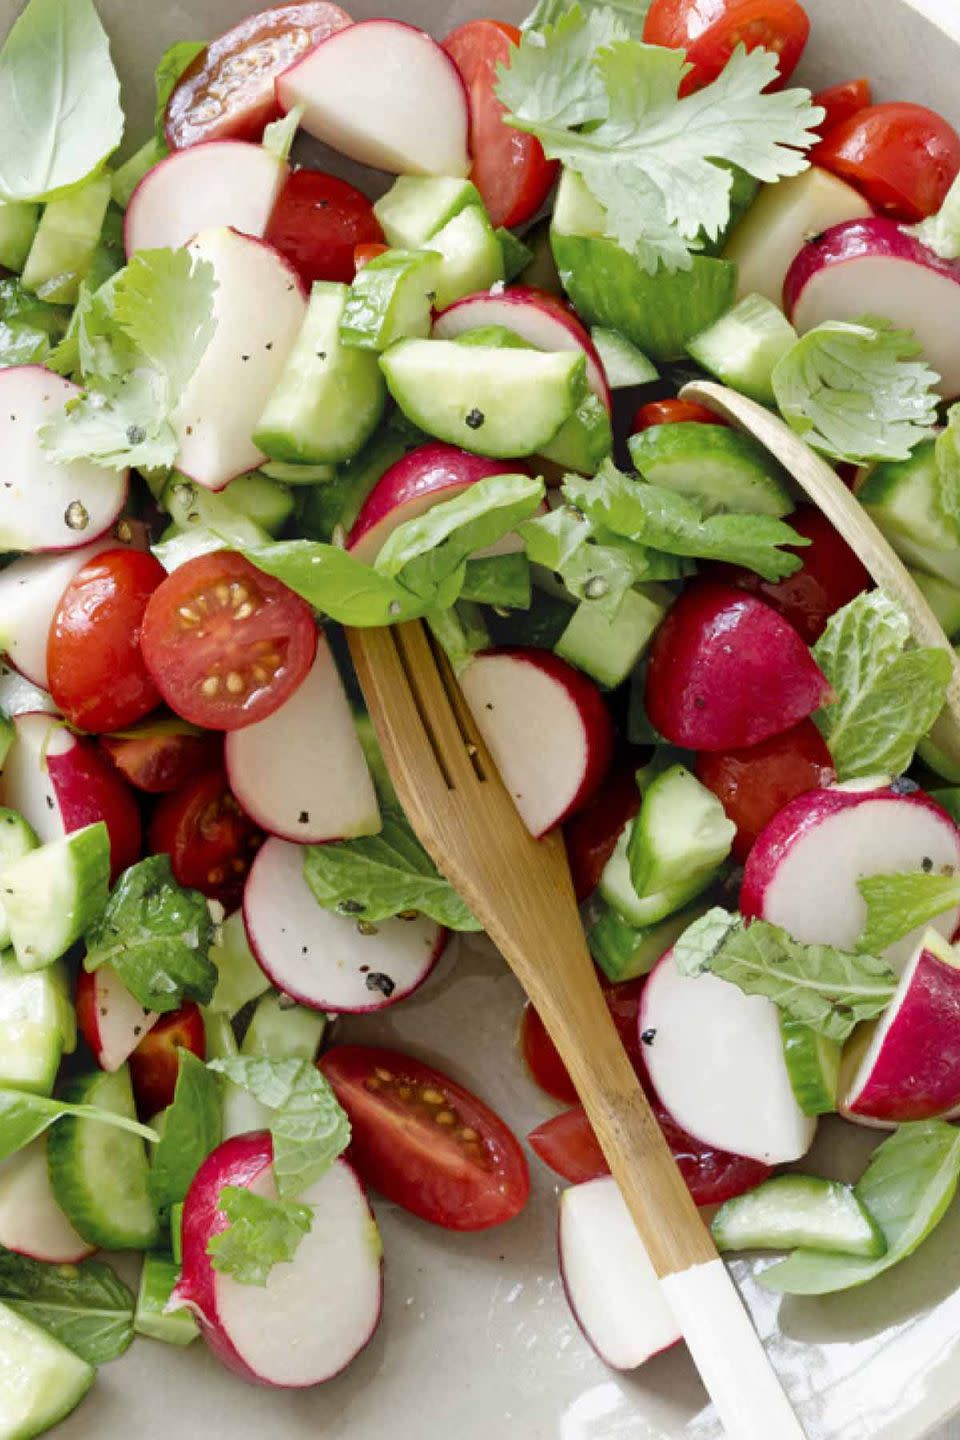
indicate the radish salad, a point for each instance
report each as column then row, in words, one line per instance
column 244, row 405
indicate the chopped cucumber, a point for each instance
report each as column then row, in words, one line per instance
column 125, row 180
column 292, row 474
column 41, row 1381
column 391, row 299
column 157, row 1278
column 17, row 838
column 585, row 441
column 471, row 258
column 902, row 497
column 330, row 397
column 575, row 211
column 609, row 649
column 325, row 507
column 417, row 206
column 34, row 1015
column 18, row 225
column 267, row 501
column 681, row 833
column 799, row 1210
column 501, row 403
column 242, row 1112
column 282, row 1030
column 617, row 889
column 943, row 599
column 66, row 242
column 240, row 978
column 944, row 564
column 98, row 1172
column 938, row 760
column 950, row 800
column 623, row 364
column 515, row 254
column 193, row 507
column 625, row 952
column 743, row 346
column 176, row 1232
column 54, row 895
column 725, row 469
column 813, row 1065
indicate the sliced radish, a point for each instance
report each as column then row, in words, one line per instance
column 302, row 773
column 385, row 94
column 325, row 960
column 317, row 1311
column 873, row 267
column 258, row 306
column 536, row 316
column 803, row 869
column 715, row 1057
column 610, row 1282
column 111, row 1021
column 18, row 695
column 547, row 728
column 45, row 505
column 222, row 182
column 31, row 1221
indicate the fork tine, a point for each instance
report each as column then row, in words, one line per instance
column 394, row 710
column 434, row 703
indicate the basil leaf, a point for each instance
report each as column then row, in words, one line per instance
column 87, row 1306
column 338, row 584
column 192, row 1128
column 502, row 580
column 24, row 1116
column 262, row 1233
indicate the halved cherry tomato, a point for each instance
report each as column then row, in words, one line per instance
column 210, row 841
column 903, row 158
column 568, row 1145
column 672, row 412
column 318, row 222
column 753, row 785
column 591, row 836
column 226, row 644
column 510, row 169
column 228, row 92
column 425, row 1142
column 363, row 254
column 159, row 763
column 830, row 577
column 540, row 1054
column 842, row 101
column 710, row 30
column 96, row 671
column 155, row 1063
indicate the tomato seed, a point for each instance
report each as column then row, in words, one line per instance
column 445, row 1117
column 431, row 1097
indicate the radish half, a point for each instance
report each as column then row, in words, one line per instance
column 45, row 505
column 385, row 94
column 803, row 868
column 715, row 1058
column 31, row 1221
column 325, row 960
column 223, row 182
column 111, row 1021
column 301, row 773
column 608, row 1277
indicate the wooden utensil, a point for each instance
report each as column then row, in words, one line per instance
column 521, row 891
column 828, row 492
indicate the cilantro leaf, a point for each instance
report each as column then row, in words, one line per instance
column 886, row 696
column 163, row 304
column 856, row 391
column 29, row 328
column 173, row 62
column 192, row 1128
column 262, row 1233
column 87, row 1306
column 941, row 232
column 897, row 904
column 630, row 13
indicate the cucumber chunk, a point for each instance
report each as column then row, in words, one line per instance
column 417, row 206
column 609, row 649
column 18, row 225
column 66, row 242
column 471, row 258
column 943, row 599
column 330, row 397
column 681, row 834
column 267, row 501
column 34, row 1016
column 617, row 889
column 515, row 254
column 743, row 346
column 159, row 1275
column 625, row 952
column 902, row 497
column 325, row 507
column 724, row 469
column 127, row 177
column 193, row 507
column 799, row 1210
column 292, row 474
column 54, row 894
column 240, row 978
column 41, row 1381
column 813, row 1065
column 585, row 441
column 99, row 1173
column 391, row 299
column 282, row 1030
column 176, row 1232
column 16, row 836
column 500, row 403
column 575, row 211
column 623, row 364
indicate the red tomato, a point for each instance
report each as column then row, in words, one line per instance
column 754, row 784
column 510, row 169
column 228, row 91
column 97, row 792
column 96, row 670
column 226, row 644
column 830, row 577
column 156, row 1061
column 425, row 1142
column 157, row 764
column 540, row 1055
column 211, row 843
column 363, row 254
column 903, row 158
column 591, row 836
column 710, row 31
column 842, row 101
column 318, row 222
column 568, row 1145
column 672, row 412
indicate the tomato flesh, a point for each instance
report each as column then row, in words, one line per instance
column 225, row 644
column 155, row 1063
column 157, row 764
column 710, row 30
column 672, row 412
column 540, row 1054
column 210, row 841
column 425, row 1142
column 591, row 836
column 510, row 170
column 228, row 92
column 842, row 101
column 903, row 158
column 363, row 254
column 318, row 222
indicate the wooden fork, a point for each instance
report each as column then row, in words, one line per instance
column 521, row 891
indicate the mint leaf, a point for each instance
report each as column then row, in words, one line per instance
column 701, row 942
column 309, row 1127
column 378, row 876
column 192, row 1128
column 941, row 232
column 897, row 904
column 23, row 1117
column 156, row 935
column 947, row 455
column 262, row 1233
column 339, row 585
column 173, row 62
column 887, row 697
column 907, row 1187
column 857, row 392
column 86, row 1307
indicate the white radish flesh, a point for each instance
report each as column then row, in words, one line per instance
column 18, row 695
column 226, row 182
column 31, row 1221
column 120, row 1020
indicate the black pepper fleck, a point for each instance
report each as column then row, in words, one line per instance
column 378, row 981
column 926, row 864
column 475, row 418
column 648, row 1037
column 304, row 817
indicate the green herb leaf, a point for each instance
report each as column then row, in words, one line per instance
column 309, row 1127
column 502, row 580
column 857, row 392
column 192, row 1128
column 887, row 697
column 280, row 134
column 897, row 904
column 947, row 454
column 86, row 1307
column 173, row 62
column 29, row 328
column 262, row 1233
column 23, row 1117
column 461, row 631
column 163, row 305
column 941, row 232
column 907, row 1187
column 378, row 876
column 156, row 935
column 631, row 14
column 339, row 585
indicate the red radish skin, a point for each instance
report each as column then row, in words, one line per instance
column 223, row 182
column 591, row 836
column 727, row 672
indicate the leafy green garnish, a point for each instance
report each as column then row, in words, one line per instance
column 502, row 580
column 262, row 1233
column 941, row 232
column 462, row 632
column 606, row 105
column 856, row 391
column 87, row 1306
column 192, row 1128
column 947, row 457
column 826, row 989
column 23, row 1117
column 338, row 584
column 886, row 696
column 378, row 876
column 897, row 904
column 29, row 328
column 156, row 935
column 173, row 62
column 280, row 134
column 630, row 13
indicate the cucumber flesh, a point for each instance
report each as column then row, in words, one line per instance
column 515, row 254
column 175, row 547
column 194, row 508
column 743, row 346
column 943, row 599
column 585, row 441
column 241, row 1111
column 268, row 502
column 18, row 225
column 938, row 760
column 66, row 242
column 32, row 1024
column 391, row 299
column 726, row 470
column 471, row 257
column 159, row 1275
column 624, row 365
column 240, row 977
column 617, row 889
column 127, row 177
column 16, row 836
column 575, row 211
column 624, row 952
column 609, row 649
column 417, row 206
column 54, row 894
column 799, row 1210
column 282, row 1030
column 292, row 474
column 813, row 1064
column 682, row 832
column 41, row 1381
column 902, row 497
